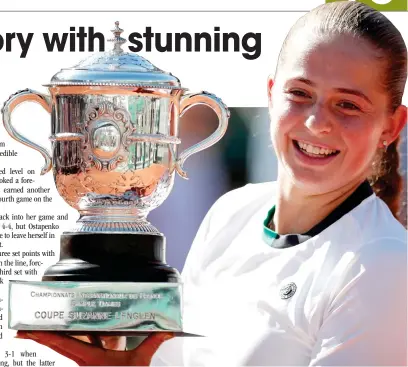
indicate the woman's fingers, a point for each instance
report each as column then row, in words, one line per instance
column 86, row 354
column 113, row 342
column 153, row 342
column 142, row 355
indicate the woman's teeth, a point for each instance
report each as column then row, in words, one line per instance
column 315, row 150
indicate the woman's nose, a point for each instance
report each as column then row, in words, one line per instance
column 319, row 121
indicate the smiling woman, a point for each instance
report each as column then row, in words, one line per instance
column 350, row 107
column 310, row 270
column 321, row 100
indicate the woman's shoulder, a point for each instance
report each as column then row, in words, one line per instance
column 234, row 208
column 245, row 201
column 227, row 216
column 375, row 223
column 248, row 194
column 368, row 234
column 371, row 244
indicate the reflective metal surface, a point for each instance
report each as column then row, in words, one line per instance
column 14, row 100
column 78, row 306
column 115, row 147
column 116, row 68
column 107, row 169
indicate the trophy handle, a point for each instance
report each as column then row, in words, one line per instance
column 215, row 103
column 8, row 107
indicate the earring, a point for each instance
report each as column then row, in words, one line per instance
column 385, row 145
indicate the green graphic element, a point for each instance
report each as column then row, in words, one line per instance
column 383, row 5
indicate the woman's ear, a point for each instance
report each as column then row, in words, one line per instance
column 395, row 124
column 270, row 85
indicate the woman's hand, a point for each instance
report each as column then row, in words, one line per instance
column 86, row 354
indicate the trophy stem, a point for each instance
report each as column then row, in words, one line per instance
column 92, row 223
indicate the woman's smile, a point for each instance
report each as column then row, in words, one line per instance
column 311, row 154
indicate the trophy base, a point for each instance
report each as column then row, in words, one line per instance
column 104, row 283
column 95, row 306
column 111, row 257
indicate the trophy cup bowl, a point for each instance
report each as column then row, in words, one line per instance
column 114, row 137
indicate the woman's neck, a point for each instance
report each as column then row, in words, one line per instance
column 297, row 213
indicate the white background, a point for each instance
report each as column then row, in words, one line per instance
column 239, row 82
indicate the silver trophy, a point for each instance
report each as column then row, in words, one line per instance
column 114, row 134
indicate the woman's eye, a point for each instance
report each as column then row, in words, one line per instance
column 299, row 93
column 349, row 106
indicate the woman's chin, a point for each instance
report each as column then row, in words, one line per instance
column 312, row 182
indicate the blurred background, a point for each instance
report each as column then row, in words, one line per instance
column 245, row 154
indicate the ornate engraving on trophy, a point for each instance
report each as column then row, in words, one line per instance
column 118, row 101
column 105, row 140
column 106, row 129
